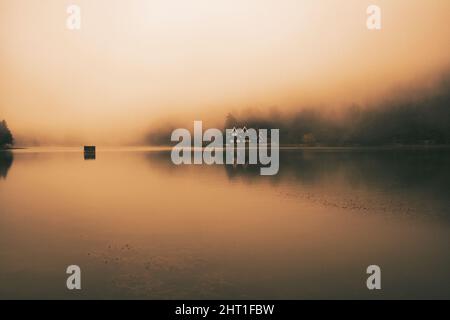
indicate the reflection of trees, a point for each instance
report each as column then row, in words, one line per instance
column 400, row 181
column 6, row 160
column 422, row 171
column 411, row 168
column 404, row 182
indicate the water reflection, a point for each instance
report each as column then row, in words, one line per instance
column 6, row 160
column 89, row 156
column 142, row 227
column 409, row 166
column 386, row 180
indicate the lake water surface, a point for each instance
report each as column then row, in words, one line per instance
column 141, row 227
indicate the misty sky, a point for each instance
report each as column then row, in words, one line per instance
column 135, row 62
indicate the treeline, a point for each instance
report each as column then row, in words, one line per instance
column 6, row 137
column 400, row 121
column 403, row 120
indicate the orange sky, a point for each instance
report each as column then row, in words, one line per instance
column 135, row 62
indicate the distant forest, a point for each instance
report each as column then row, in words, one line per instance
column 399, row 121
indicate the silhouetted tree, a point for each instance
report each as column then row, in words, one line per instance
column 6, row 137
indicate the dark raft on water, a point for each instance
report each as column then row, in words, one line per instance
column 89, row 152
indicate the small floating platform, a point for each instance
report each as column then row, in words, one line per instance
column 89, row 152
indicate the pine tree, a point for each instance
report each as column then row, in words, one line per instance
column 6, row 137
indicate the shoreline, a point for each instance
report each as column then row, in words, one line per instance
column 18, row 148
column 282, row 147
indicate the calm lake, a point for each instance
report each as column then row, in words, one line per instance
column 140, row 227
